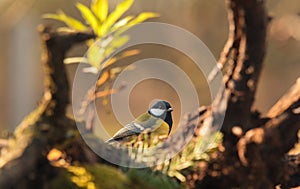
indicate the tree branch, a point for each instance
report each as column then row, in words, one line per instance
column 248, row 139
column 276, row 137
column 249, row 20
column 22, row 160
column 56, row 46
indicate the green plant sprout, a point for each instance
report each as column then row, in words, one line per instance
column 108, row 28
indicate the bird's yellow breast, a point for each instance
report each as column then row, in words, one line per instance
column 163, row 129
column 154, row 125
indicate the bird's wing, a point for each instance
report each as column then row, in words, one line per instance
column 139, row 125
column 128, row 130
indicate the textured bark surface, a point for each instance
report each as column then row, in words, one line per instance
column 23, row 159
column 255, row 147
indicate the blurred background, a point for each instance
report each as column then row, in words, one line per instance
column 21, row 76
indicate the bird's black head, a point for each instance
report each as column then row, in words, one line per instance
column 162, row 109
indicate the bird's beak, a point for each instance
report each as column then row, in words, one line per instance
column 170, row 110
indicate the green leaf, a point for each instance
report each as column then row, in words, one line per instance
column 108, row 28
column 143, row 16
column 121, row 23
column 100, row 9
column 98, row 52
column 116, row 43
column 139, row 19
column 115, row 15
column 88, row 16
column 184, row 165
column 95, row 55
column 178, row 175
column 69, row 21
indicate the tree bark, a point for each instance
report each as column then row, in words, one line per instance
column 23, row 160
column 253, row 156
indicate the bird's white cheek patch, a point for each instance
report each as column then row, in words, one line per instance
column 157, row 112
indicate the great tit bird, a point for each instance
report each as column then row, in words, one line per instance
column 157, row 120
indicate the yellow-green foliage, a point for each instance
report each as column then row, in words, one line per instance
column 105, row 177
column 108, row 177
column 197, row 150
column 107, row 27
column 100, row 176
column 149, row 179
column 90, row 177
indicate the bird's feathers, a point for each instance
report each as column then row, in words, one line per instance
column 144, row 122
column 157, row 121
